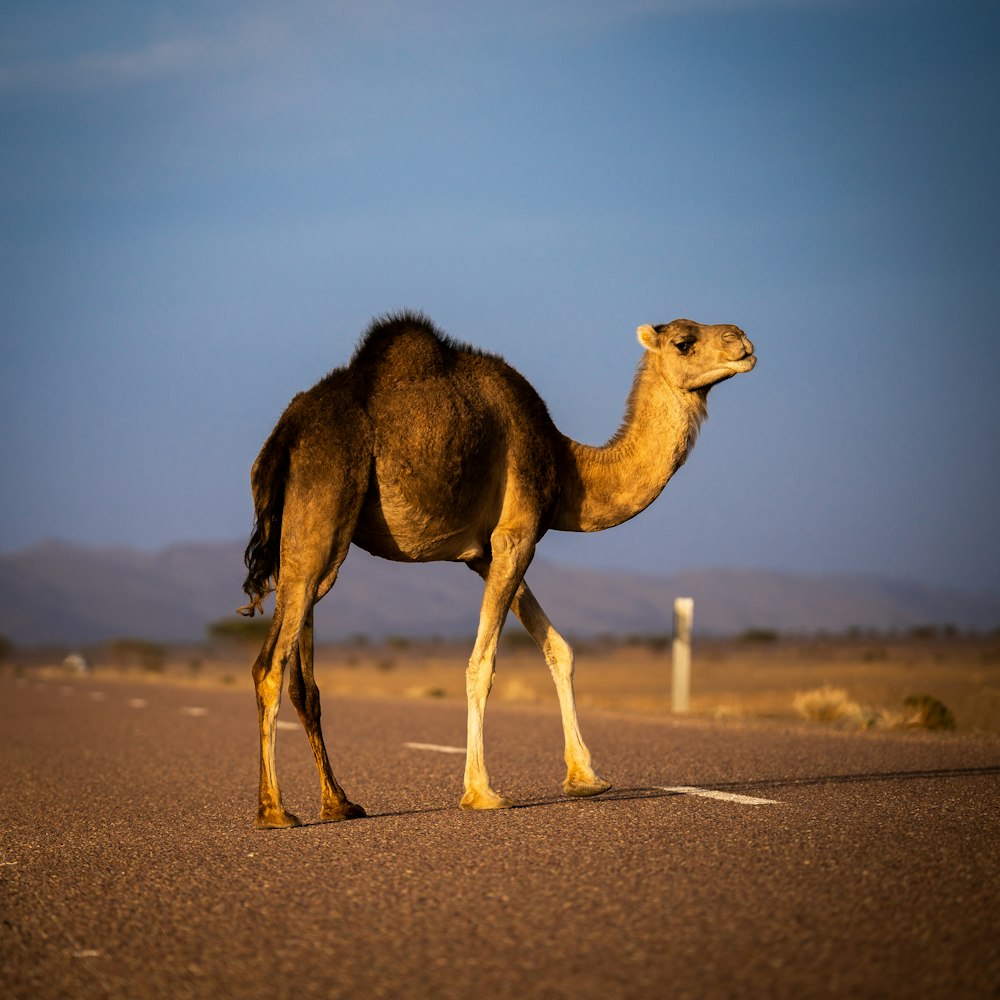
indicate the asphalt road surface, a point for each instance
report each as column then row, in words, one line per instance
column 821, row 863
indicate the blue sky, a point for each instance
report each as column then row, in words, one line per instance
column 204, row 204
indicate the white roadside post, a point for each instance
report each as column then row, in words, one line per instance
column 681, row 674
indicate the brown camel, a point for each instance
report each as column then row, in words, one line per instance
column 425, row 449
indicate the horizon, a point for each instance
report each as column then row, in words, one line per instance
column 541, row 557
column 67, row 593
column 204, row 207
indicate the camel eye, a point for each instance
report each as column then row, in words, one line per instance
column 684, row 346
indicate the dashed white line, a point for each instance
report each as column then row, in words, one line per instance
column 708, row 793
column 436, row 747
column 705, row 793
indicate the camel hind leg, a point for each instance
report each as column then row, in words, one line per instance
column 317, row 524
column 268, row 674
column 304, row 695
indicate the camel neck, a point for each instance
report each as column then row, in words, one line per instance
column 605, row 486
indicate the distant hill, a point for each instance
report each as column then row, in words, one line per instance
column 60, row 593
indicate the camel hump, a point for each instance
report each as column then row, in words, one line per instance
column 406, row 346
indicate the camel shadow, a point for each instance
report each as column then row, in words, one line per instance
column 639, row 793
column 861, row 778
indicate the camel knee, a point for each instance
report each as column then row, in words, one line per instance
column 479, row 679
column 267, row 682
column 513, row 547
column 269, row 672
column 558, row 655
column 261, row 667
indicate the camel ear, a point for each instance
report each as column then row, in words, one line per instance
column 647, row 336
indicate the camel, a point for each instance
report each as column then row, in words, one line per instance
column 425, row 449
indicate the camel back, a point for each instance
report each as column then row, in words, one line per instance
column 409, row 347
column 395, row 351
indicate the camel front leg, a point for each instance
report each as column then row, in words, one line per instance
column 581, row 778
column 479, row 793
column 511, row 557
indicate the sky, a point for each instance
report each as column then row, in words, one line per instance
column 204, row 204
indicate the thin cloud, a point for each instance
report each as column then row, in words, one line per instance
column 192, row 51
column 267, row 33
column 169, row 58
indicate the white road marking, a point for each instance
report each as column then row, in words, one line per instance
column 708, row 793
column 281, row 724
column 194, row 710
column 435, row 747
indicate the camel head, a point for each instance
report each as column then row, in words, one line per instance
column 692, row 357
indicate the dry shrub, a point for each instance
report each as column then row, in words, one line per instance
column 833, row 705
column 917, row 714
column 919, row 711
column 926, row 712
column 830, row 704
column 893, row 718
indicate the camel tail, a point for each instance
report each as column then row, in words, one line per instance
column 267, row 482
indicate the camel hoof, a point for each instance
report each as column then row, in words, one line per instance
column 276, row 819
column 485, row 800
column 339, row 811
column 582, row 788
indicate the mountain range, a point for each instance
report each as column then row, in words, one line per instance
column 61, row 593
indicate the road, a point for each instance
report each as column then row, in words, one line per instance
column 832, row 864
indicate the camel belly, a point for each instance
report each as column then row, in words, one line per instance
column 416, row 538
column 410, row 549
column 436, row 488
column 412, row 522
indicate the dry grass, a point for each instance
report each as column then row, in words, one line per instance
column 865, row 682
column 829, row 704
column 833, row 706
